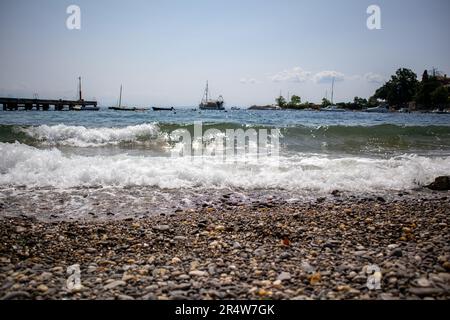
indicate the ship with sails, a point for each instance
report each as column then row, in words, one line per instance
column 211, row 104
column 119, row 106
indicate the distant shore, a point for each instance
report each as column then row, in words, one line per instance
column 312, row 250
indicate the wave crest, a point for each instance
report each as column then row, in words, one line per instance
column 79, row 136
column 30, row 166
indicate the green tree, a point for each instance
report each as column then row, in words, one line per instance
column 400, row 89
column 359, row 103
column 440, row 97
column 295, row 100
column 325, row 103
column 425, row 76
column 281, row 101
column 425, row 89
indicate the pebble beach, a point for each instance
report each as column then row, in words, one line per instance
column 319, row 249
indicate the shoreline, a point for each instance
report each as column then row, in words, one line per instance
column 111, row 203
column 317, row 250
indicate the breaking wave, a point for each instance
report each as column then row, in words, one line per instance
column 346, row 139
column 79, row 136
column 27, row 165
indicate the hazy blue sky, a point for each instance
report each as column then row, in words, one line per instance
column 164, row 51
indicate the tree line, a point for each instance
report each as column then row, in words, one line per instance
column 402, row 90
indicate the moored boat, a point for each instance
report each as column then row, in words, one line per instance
column 211, row 104
column 119, row 106
column 380, row 109
column 163, row 109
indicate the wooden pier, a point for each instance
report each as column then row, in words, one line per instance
column 9, row 104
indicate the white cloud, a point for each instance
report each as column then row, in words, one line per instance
column 374, row 78
column 295, row 74
column 327, row 76
column 248, row 81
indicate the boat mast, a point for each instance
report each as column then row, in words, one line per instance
column 206, row 92
column 120, row 96
column 79, row 87
column 332, row 91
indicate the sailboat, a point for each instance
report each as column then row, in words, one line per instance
column 210, row 104
column 333, row 108
column 119, row 107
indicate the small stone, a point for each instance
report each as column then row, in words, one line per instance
column 198, row 273
column 284, row 276
column 5, row 260
column 175, row 260
column 124, row 297
column 126, row 277
column 277, row 283
column 421, row 292
column 148, row 296
column 335, row 193
column 214, row 244
column 387, row 296
column 307, row 267
column 343, row 288
column 46, row 276
column 114, row 284
column 20, row 229
column 446, row 265
column 423, row 282
column 162, row 227
column 397, row 253
column 42, row 288
column 315, row 278
column 259, row 252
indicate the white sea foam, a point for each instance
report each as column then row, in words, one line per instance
column 79, row 136
column 24, row 165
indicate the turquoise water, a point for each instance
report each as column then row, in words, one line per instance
column 106, row 118
column 319, row 151
column 341, row 133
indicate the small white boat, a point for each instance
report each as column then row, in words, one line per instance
column 439, row 111
column 379, row 109
column 333, row 109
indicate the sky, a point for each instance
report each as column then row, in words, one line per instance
column 162, row 52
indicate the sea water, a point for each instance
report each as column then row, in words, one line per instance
column 319, row 152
